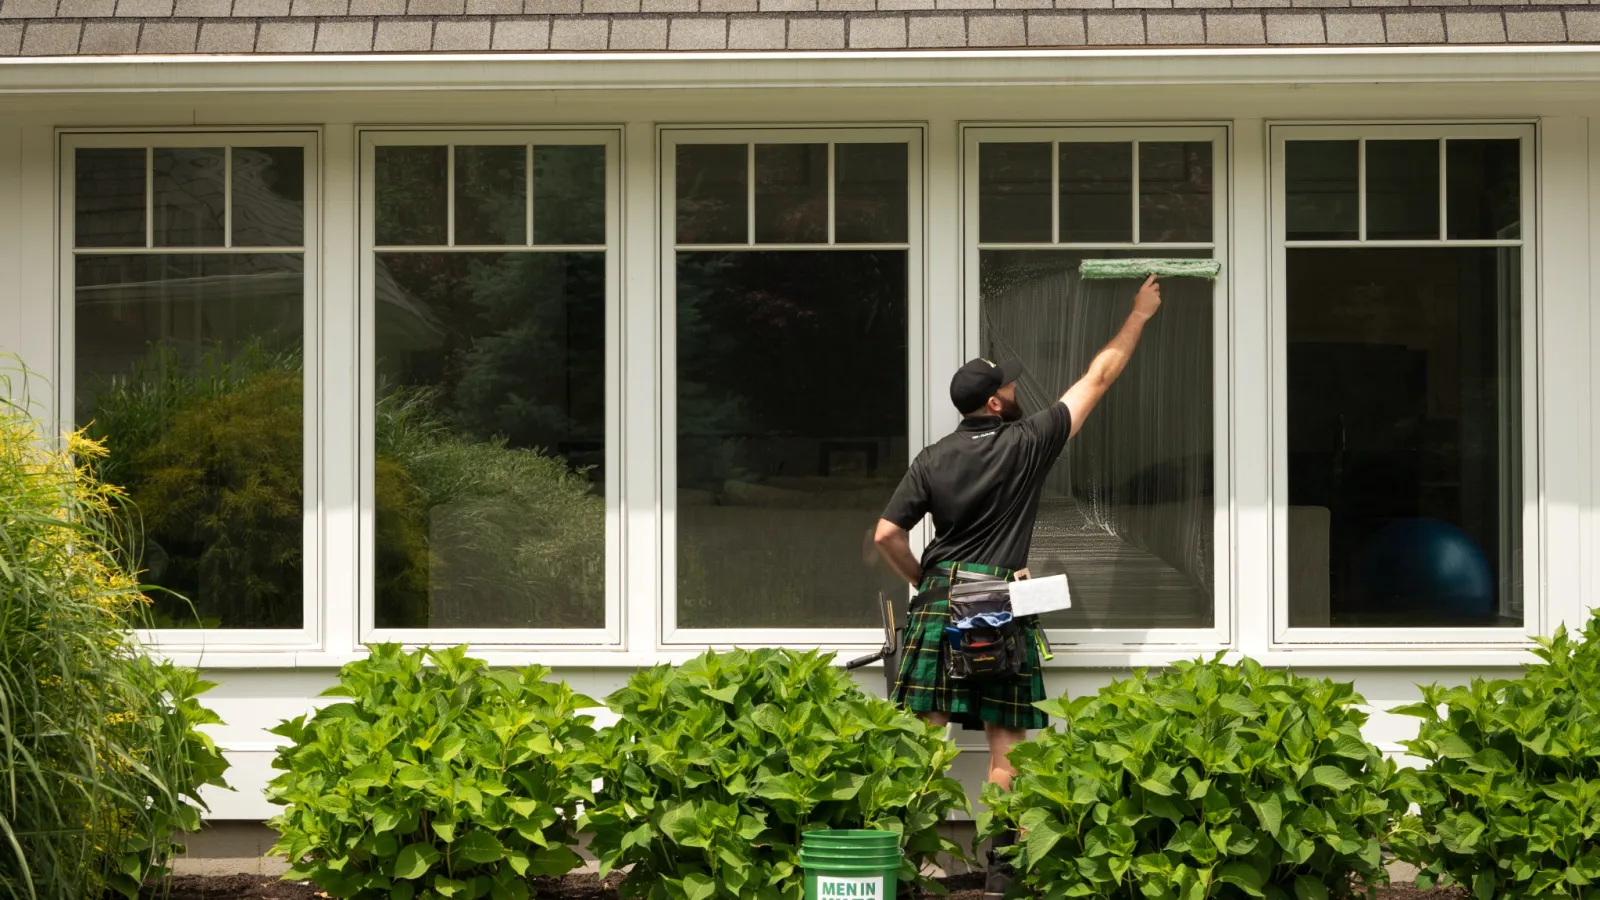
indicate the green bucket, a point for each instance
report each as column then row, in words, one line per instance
column 850, row 865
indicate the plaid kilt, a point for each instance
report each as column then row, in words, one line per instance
column 923, row 685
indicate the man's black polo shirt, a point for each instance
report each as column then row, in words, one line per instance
column 982, row 484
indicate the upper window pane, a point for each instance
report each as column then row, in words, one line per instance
column 1128, row 511
column 1484, row 189
column 1404, row 437
column 780, row 485
column 1402, row 190
column 713, row 202
column 791, row 193
column 269, row 196
column 1096, row 192
column 1175, row 192
column 1014, row 193
column 569, row 195
column 1322, row 190
column 491, row 195
column 412, row 196
column 190, row 196
column 189, row 366
column 870, row 193
column 109, row 197
column 490, row 430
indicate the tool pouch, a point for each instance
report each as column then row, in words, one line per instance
column 983, row 639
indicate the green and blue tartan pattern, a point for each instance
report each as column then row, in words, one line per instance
column 923, row 685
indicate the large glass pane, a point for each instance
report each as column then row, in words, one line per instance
column 1402, row 190
column 1096, row 192
column 109, row 197
column 189, row 366
column 1014, row 193
column 491, row 196
column 1483, row 180
column 785, row 461
column 1174, row 192
column 412, row 196
column 791, row 193
column 869, row 194
column 269, row 196
column 1405, row 488
column 1127, row 513
column 713, row 203
column 190, row 196
column 1322, row 190
column 490, row 426
column 569, row 195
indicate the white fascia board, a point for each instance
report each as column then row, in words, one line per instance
column 1569, row 63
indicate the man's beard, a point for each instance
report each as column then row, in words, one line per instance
column 1010, row 410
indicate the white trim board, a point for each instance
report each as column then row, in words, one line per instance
column 1573, row 63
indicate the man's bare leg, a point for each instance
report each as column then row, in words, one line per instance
column 1001, row 740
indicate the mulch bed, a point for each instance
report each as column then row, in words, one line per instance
column 573, row 887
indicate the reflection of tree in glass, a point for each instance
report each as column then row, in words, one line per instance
column 210, row 453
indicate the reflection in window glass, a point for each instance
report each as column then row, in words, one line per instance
column 109, row 197
column 190, row 197
column 412, row 196
column 785, row 463
column 1322, row 185
column 869, row 195
column 569, row 195
column 792, row 193
column 1402, row 190
column 1014, row 193
column 1405, row 501
column 490, row 436
column 1174, row 192
column 1096, row 192
column 1484, row 189
column 1128, row 513
column 189, row 366
column 269, row 196
column 491, row 195
column 712, row 199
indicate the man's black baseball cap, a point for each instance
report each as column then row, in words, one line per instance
column 978, row 380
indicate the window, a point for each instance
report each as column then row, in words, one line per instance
column 790, row 272
column 1129, row 513
column 491, row 294
column 1403, row 331
column 188, row 296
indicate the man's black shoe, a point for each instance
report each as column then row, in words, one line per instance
column 997, row 878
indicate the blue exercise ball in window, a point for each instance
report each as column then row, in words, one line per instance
column 1425, row 566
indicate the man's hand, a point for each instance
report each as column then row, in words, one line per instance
column 1148, row 300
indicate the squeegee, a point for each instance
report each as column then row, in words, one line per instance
column 1143, row 268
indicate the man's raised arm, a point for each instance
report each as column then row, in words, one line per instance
column 1082, row 397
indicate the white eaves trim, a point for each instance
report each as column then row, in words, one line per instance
column 1570, row 63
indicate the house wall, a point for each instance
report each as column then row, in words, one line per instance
column 262, row 685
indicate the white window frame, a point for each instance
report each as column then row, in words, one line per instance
column 1535, row 607
column 1219, row 635
column 669, row 139
column 609, row 637
column 310, row 633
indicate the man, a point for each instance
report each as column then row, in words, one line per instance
column 982, row 485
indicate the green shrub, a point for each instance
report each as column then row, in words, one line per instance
column 446, row 781
column 1205, row 781
column 100, row 759
column 716, row 767
column 1509, row 804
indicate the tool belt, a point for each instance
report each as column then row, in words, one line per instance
column 983, row 638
